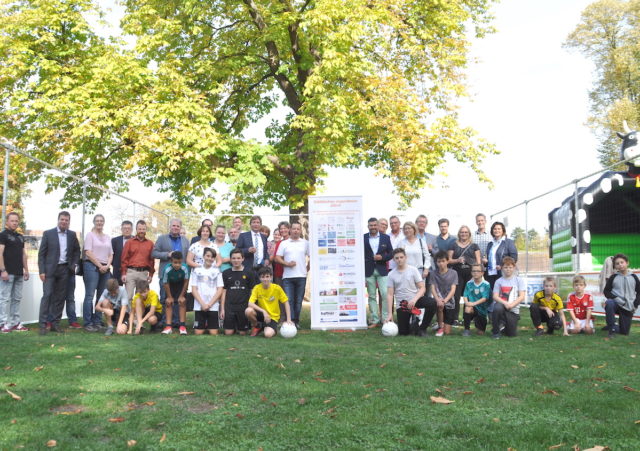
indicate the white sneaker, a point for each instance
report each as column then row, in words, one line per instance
column 167, row 330
column 440, row 333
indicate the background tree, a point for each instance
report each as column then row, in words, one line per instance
column 365, row 84
column 609, row 35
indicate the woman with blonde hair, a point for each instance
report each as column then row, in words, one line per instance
column 416, row 251
column 462, row 254
column 97, row 257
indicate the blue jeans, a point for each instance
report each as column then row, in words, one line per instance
column 294, row 289
column 611, row 308
column 10, row 297
column 94, row 285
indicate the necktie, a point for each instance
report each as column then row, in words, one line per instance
column 256, row 259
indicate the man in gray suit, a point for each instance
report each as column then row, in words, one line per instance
column 164, row 247
column 57, row 260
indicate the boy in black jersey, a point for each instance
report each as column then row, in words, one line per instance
column 238, row 283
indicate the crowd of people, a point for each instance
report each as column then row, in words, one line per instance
column 241, row 282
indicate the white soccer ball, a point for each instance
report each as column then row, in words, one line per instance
column 288, row 330
column 390, row 329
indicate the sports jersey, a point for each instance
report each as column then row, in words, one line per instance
column 474, row 293
column 268, row 299
column 151, row 301
column 238, row 286
column 580, row 305
column 174, row 276
column 207, row 280
column 120, row 299
column 555, row 303
column 508, row 288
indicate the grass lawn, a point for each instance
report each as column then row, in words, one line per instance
column 320, row 390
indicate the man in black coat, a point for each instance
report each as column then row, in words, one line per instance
column 58, row 257
column 117, row 243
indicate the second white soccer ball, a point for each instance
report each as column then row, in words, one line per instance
column 390, row 329
column 288, row 330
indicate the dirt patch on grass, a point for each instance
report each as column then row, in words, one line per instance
column 202, row 407
column 68, row 409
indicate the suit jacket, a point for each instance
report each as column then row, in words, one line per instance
column 506, row 248
column 164, row 245
column 117, row 245
column 384, row 249
column 49, row 252
column 245, row 241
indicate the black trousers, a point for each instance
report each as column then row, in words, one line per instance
column 539, row 316
column 501, row 316
column 54, row 292
column 479, row 321
column 404, row 316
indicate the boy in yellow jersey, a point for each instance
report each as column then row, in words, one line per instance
column 264, row 305
column 146, row 306
column 547, row 308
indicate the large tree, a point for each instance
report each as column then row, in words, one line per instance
column 365, row 84
column 609, row 34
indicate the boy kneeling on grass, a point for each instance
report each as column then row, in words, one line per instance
column 508, row 292
column 114, row 304
column 264, row 305
column 580, row 307
column 146, row 306
column 175, row 278
column 443, row 283
column 206, row 286
column 547, row 308
column 477, row 299
column 623, row 296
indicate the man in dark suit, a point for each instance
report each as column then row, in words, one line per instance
column 377, row 252
column 117, row 243
column 57, row 260
column 253, row 245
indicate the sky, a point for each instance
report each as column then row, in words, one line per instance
column 529, row 96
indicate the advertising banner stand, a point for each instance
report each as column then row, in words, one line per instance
column 337, row 263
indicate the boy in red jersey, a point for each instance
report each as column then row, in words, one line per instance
column 580, row 307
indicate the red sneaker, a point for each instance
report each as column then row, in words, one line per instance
column 75, row 326
column 256, row 331
column 19, row 328
column 183, row 330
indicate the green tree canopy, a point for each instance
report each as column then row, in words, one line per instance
column 366, row 84
column 609, row 34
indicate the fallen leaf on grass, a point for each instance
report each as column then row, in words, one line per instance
column 14, row 421
column 439, row 400
column 327, row 401
column 329, row 411
column 467, row 393
column 39, row 368
column 163, row 438
column 556, row 446
column 497, row 420
column 522, row 364
column 633, row 356
column 324, row 381
column 402, row 354
column 233, row 349
column 116, row 420
column 575, row 367
column 627, row 388
column 78, row 357
column 297, row 361
column 302, row 401
column 420, row 374
column 11, row 384
column 131, row 443
column 14, row 396
column 550, row 392
column 602, row 366
column 636, row 422
column 368, row 395
column 597, row 448
column 572, row 381
column 438, row 390
column 380, row 390
column 479, row 381
column 383, row 365
column 52, row 443
column 263, row 398
column 281, row 366
column 67, row 410
column 7, row 368
column 185, row 393
column 239, row 415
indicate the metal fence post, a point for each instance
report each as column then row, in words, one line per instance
column 526, row 237
column 577, row 228
column 84, row 208
column 5, row 186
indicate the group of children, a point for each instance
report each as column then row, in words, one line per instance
column 233, row 296
column 503, row 301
